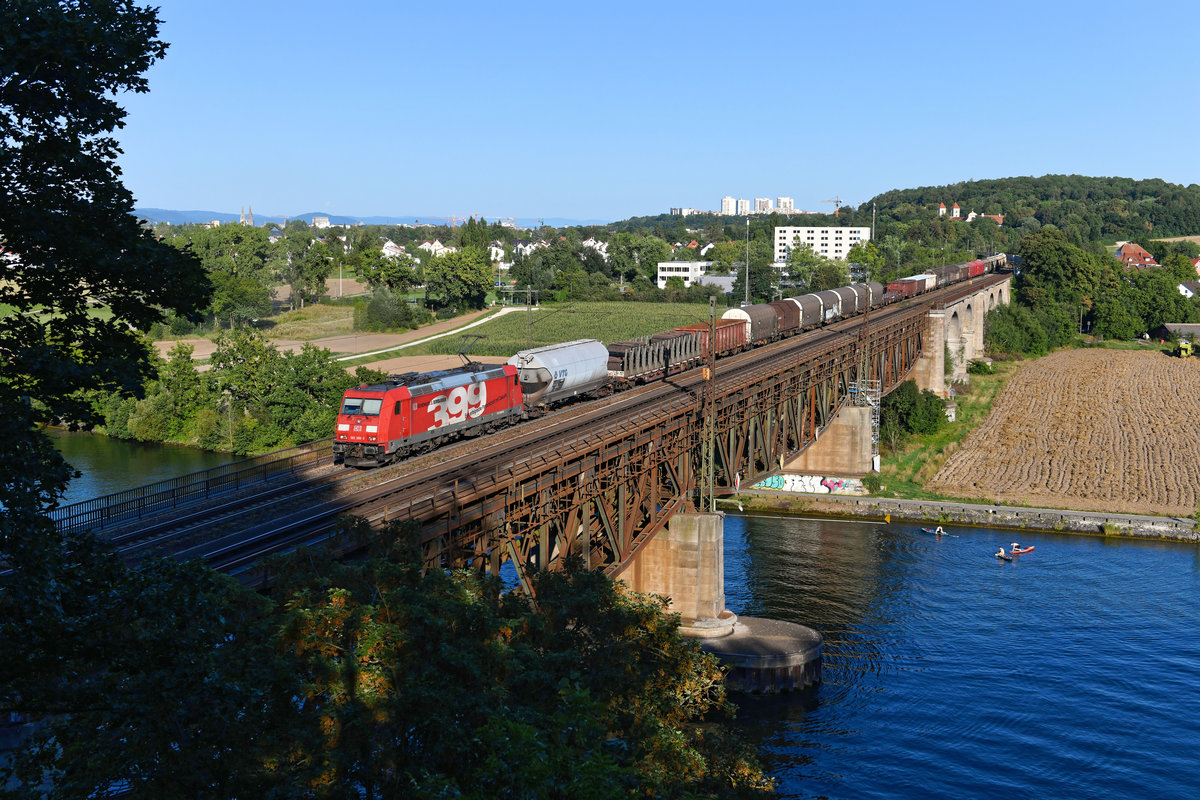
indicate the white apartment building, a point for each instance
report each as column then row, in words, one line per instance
column 832, row 242
column 762, row 205
column 743, row 207
column 691, row 271
column 727, row 206
column 785, row 205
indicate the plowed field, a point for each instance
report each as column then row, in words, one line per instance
column 1100, row 430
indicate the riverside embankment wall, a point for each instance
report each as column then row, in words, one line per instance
column 1095, row 523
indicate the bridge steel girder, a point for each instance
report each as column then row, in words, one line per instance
column 601, row 497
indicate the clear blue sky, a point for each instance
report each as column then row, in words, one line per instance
column 614, row 109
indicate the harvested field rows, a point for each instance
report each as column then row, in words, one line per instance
column 1100, row 430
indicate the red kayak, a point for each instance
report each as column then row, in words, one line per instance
column 1022, row 550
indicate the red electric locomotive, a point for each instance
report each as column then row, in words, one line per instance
column 415, row 412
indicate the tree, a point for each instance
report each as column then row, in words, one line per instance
column 65, row 213
column 458, row 280
column 238, row 250
column 68, row 219
column 239, row 299
column 248, row 365
column 866, row 255
column 726, row 256
column 631, row 254
column 763, row 276
column 802, row 265
column 586, row 694
column 1063, row 272
column 829, row 275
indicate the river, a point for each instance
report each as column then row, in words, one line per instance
column 1067, row 673
column 114, row 465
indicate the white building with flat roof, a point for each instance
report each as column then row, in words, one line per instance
column 785, row 205
column 692, row 272
column 831, row 242
column 762, row 205
column 727, row 206
column 743, row 207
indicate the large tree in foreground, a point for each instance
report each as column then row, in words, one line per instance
column 65, row 213
column 66, row 217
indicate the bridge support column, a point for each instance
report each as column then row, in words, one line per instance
column 930, row 370
column 686, row 562
column 843, row 448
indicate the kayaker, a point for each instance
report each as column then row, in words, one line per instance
column 1001, row 553
column 939, row 530
column 1014, row 547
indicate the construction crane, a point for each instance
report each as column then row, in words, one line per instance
column 837, row 204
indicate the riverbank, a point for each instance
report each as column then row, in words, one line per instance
column 1093, row 523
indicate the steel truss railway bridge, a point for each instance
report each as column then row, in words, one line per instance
column 600, row 480
column 608, row 487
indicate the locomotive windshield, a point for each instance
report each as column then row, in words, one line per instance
column 363, row 406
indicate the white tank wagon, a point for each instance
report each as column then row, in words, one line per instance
column 558, row 371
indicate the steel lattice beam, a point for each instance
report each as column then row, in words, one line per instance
column 603, row 497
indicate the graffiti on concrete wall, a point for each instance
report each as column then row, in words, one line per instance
column 811, row 484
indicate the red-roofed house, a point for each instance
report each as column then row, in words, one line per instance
column 1134, row 256
column 941, row 209
column 1196, row 265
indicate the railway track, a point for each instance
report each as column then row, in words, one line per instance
column 234, row 536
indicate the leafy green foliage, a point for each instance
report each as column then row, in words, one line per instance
column 1085, row 209
column 378, row 679
column 386, row 311
column 906, row 410
column 1012, row 331
column 66, row 214
column 396, row 274
column 591, row 692
column 763, row 277
column 458, row 280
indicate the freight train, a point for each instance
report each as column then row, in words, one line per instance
column 415, row 412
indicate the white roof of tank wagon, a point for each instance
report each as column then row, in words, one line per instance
column 581, row 351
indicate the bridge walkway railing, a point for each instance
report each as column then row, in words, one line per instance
column 155, row 498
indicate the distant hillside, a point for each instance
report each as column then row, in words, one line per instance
column 174, row 217
column 1085, row 208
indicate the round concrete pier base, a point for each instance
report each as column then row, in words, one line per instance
column 766, row 656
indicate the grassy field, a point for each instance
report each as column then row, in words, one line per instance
column 608, row 322
column 905, row 470
column 312, row 322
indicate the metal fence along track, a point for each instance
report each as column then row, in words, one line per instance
column 154, row 498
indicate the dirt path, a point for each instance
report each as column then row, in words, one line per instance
column 1104, row 430
column 348, row 343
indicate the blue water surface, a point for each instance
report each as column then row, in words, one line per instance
column 1070, row 672
column 109, row 465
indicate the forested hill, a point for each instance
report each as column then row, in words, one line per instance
column 1086, row 209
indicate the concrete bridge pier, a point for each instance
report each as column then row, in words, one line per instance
column 930, row 370
column 686, row 563
column 843, row 448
